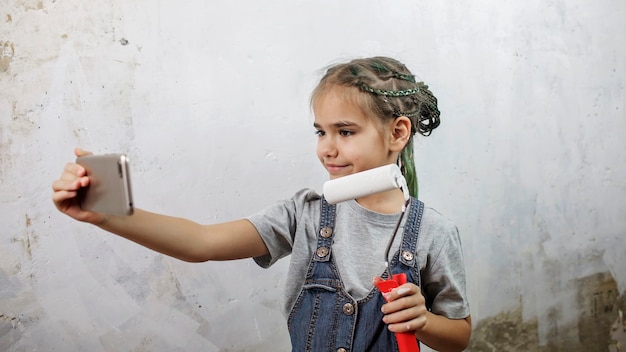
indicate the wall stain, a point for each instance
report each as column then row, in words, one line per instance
column 7, row 51
column 9, row 19
column 505, row 332
column 6, row 162
column 600, row 325
column 618, row 333
column 29, row 239
column 10, row 330
column 10, row 318
column 600, row 304
column 31, row 5
column 22, row 122
column 13, row 328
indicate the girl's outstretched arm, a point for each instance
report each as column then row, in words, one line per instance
column 406, row 311
column 187, row 240
column 176, row 237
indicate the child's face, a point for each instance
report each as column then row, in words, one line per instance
column 349, row 140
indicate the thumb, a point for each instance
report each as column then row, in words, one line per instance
column 81, row 152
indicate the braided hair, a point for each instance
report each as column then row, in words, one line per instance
column 385, row 88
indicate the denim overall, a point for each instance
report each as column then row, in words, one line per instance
column 325, row 317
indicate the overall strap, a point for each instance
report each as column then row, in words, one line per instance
column 325, row 233
column 411, row 233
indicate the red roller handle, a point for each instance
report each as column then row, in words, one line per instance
column 406, row 340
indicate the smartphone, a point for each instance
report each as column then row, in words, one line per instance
column 109, row 188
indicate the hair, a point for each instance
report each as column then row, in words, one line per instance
column 383, row 87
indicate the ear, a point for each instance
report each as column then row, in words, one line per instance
column 400, row 133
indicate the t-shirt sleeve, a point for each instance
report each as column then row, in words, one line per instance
column 444, row 276
column 277, row 226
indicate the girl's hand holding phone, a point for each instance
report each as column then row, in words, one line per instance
column 66, row 189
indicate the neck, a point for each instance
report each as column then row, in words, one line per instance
column 389, row 202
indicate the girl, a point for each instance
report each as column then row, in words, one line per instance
column 366, row 113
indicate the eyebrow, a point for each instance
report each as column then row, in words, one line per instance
column 338, row 124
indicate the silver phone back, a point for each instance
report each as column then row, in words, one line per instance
column 109, row 189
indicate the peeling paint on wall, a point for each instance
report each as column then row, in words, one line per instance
column 28, row 240
column 618, row 333
column 600, row 304
column 7, row 51
column 10, row 328
column 599, row 327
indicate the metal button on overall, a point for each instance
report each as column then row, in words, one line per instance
column 322, row 252
column 341, row 350
column 407, row 255
column 348, row 309
column 326, row 232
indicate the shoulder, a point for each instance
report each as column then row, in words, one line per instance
column 307, row 195
column 279, row 223
column 302, row 201
column 438, row 233
column 435, row 223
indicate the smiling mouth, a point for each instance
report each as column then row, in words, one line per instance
column 334, row 169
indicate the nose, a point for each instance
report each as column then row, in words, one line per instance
column 326, row 147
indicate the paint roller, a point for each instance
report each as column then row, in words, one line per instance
column 365, row 183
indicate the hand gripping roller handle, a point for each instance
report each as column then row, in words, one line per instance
column 407, row 342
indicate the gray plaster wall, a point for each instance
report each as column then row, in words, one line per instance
column 210, row 101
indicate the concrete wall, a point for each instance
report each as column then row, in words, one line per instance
column 210, row 101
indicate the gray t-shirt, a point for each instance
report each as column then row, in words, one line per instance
column 360, row 240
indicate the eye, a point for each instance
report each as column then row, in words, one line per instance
column 319, row 133
column 346, row 133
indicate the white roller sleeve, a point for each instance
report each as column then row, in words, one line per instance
column 364, row 183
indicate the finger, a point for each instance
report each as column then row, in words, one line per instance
column 65, row 185
column 408, row 311
column 61, row 196
column 74, row 169
column 69, row 177
column 81, row 181
column 402, row 291
column 81, row 152
column 403, row 298
column 84, row 181
column 407, row 289
column 410, row 325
